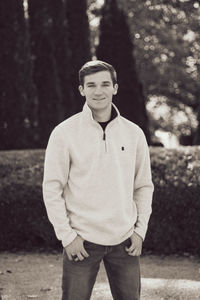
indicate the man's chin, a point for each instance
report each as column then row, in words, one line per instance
column 99, row 104
column 98, row 108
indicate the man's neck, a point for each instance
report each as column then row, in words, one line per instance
column 102, row 115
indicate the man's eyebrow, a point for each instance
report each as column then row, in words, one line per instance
column 106, row 81
column 90, row 82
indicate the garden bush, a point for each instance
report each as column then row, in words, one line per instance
column 174, row 225
column 23, row 218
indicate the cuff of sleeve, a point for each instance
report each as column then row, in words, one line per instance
column 140, row 232
column 69, row 238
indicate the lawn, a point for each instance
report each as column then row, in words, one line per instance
column 38, row 276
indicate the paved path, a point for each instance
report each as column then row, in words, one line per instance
column 38, row 276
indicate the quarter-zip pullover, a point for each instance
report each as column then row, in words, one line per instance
column 97, row 183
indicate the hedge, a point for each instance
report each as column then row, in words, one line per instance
column 174, row 225
column 23, row 218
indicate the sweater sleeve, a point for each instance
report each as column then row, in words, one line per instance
column 143, row 186
column 56, row 170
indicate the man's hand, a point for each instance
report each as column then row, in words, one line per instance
column 75, row 250
column 135, row 248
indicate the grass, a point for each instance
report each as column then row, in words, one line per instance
column 38, row 276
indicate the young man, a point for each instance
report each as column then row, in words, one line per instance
column 98, row 190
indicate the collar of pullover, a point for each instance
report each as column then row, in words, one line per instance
column 88, row 113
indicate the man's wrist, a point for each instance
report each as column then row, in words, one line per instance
column 70, row 239
column 139, row 235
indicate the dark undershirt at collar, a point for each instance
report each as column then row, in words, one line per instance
column 104, row 124
column 113, row 116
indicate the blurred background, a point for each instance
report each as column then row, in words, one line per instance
column 154, row 46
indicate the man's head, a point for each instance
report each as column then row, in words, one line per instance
column 95, row 66
column 98, row 84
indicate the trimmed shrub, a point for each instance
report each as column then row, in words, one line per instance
column 23, row 219
column 174, row 224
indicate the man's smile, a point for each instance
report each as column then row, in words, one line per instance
column 99, row 99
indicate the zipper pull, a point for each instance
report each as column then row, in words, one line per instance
column 104, row 136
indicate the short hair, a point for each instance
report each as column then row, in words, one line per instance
column 95, row 66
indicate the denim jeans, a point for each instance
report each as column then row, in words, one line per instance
column 123, row 272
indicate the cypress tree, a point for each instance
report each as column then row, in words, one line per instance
column 45, row 71
column 79, row 43
column 17, row 93
column 62, row 52
column 115, row 47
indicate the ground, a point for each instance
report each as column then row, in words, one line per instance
column 38, row 276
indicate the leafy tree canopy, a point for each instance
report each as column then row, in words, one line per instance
column 166, row 38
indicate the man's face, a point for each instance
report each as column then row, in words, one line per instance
column 98, row 90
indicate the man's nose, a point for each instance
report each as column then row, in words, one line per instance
column 98, row 90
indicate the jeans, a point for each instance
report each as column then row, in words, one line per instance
column 123, row 272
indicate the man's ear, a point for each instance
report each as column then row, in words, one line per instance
column 115, row 89
column 81, row 90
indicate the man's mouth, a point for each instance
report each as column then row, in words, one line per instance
column 95, row 99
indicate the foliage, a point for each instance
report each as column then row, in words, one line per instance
column 166, row 36
column 166, row 40
column 179, row 121
column 59, row 46
column 41, row 53
column 62, row 53
column 115, row 47
column 174, row 224
column 197, row 136
column 79, row 43
column 17, row 91
column 166, row 47
column 23, row 218
column 45, row 69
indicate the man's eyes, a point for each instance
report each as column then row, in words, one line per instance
column 104, row 84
